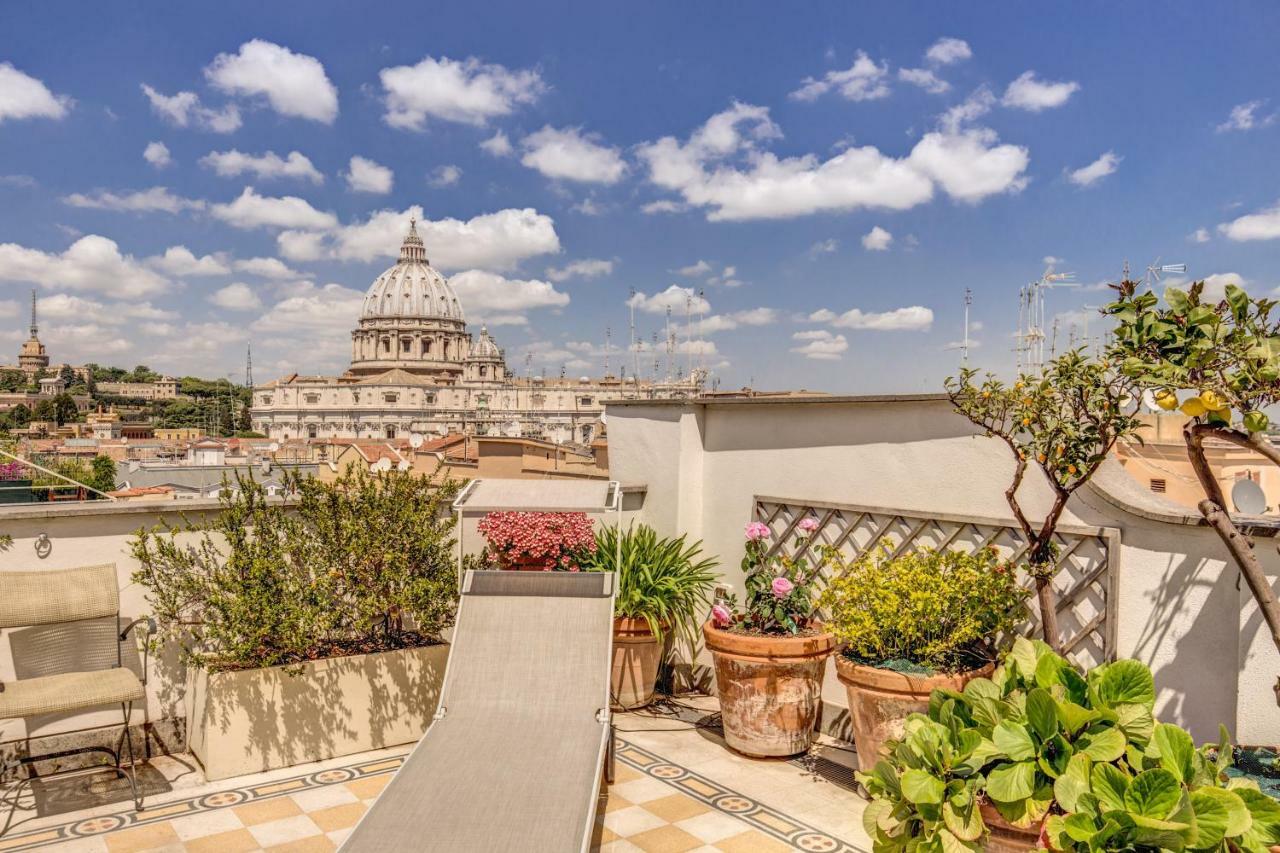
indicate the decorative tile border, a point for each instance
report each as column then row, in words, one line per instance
column 762, row 817
column 102, row 824
column 747, row 809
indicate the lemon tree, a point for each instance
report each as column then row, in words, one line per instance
column 1219, row 364
column 1063, row 422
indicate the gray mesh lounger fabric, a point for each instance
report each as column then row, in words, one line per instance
column 515, row 762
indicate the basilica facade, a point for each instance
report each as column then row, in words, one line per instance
column 417, row 369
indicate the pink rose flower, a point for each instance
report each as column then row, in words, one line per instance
column 720, row 615
column 757, row 530
column 808, row 525
column 782, row 587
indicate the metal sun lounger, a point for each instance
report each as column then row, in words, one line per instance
column 514, row 757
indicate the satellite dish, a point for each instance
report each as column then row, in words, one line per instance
column 1248, row 497
column 383, row 464
column 603, row 418
column 403, row 465
column 273, row 446
column 415, row 440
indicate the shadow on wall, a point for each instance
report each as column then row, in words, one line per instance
column 815, row 425
column 1186, row 651
column 254, row 720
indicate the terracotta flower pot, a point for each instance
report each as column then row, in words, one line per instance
column 637, row 654
column 1004, row 837
column 881, row 699
column 770, row 689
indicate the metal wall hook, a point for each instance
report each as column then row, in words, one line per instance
column 43, row 545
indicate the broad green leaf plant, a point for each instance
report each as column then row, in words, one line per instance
column 1064, row 423
column 1080, row 757
column 1218, row 362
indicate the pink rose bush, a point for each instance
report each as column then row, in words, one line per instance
column 780, row 594
column 14, row 471
column 547, row 540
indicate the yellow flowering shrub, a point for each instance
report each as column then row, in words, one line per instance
column 936, row 610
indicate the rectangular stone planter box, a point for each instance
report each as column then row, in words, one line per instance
column 262, row 719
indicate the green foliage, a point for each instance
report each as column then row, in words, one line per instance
column 360, row 564
column 102, row 473
column 12, row 380
column 1230, row 349
column 779, row 588
column 1039, row 741
column 942, row 610
column 662, row 580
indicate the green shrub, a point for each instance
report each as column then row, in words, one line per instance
column 661, row 580
column 941, row 610
column 1041, row 742
column 361, row 564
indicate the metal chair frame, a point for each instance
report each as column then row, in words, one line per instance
column 123, row 744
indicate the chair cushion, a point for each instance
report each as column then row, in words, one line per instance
column 70, row 691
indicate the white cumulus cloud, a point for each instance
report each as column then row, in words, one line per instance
column 1028, row 93
column 236, row 297
column 157, row 154
column 445, row 176
column 179, row 261
column 569, row 154
column 914, row 318
column 1200, row 235
column 968, row 164
column 498, row 145
column 862, row 81
column 294, row 84
column 700, row 268
column 585, row 268
column 925, row 79
column 1087, row 176
column 877, row 240
column 365, row 176
column 675, row 298
column 233, row 163
column 184, row 109
column 1245, row 117
column 1263, row 225
column 91, row 263
column 820, row 345
column 466, row 92
column 266, row 268
column 142, row 201
column 251, row 210
column 496, row 300
column 948, row 51
column 23, row 96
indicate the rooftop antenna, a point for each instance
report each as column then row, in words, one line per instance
column 1033, row 338
column 248, row 366
column 702, row 350
column 635, row 353
column 671, row 348
column 656, row 357
column 688, row 330
column 608, row 344
column 964, row 344
column 35, row 327
column 1157, row 269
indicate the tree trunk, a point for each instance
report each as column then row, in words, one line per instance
column 1049, row 612
column 1213, row 508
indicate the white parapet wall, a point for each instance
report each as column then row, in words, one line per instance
column 1177, row 603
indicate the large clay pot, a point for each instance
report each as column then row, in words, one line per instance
column 880, row 701
column 1004, row 837
column 770, row 689
column 637, row 654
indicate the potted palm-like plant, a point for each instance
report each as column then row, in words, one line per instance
column 911, row 624
column 663, row 586
column 771, row 654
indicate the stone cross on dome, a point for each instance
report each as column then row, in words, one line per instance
column 412, row 249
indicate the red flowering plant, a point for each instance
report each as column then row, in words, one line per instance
column 779, row 588
column 546, row 541
column 13, row 471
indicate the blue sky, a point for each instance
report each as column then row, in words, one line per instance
column 824, row 180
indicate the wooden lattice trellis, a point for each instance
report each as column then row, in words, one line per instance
column 1088, row 558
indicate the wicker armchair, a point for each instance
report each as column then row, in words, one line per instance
column 63, row 597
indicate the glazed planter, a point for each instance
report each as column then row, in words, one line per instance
column 637, row 655
column 880, row 701
column 253, row 720
column 770, row 689
column 1004, row 837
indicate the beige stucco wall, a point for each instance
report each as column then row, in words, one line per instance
column 1178, row 606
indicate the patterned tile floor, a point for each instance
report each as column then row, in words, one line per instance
column 678, row 788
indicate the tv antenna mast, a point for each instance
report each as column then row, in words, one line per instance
column 608, row 345
column 1157, row 269
column 1031, row 318
column 964, row 344
column 635, row 351
column 248, row 366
